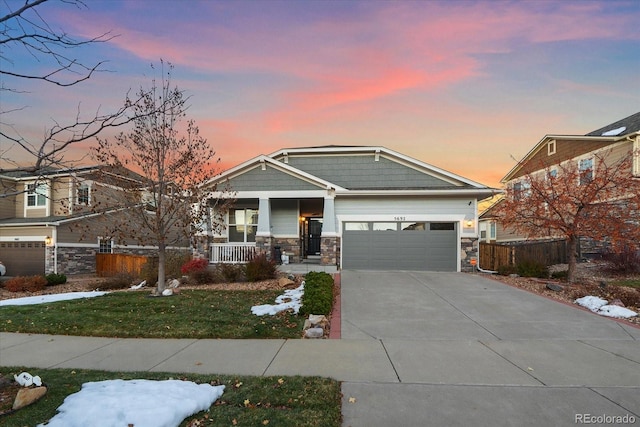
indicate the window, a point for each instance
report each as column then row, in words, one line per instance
column 551, row 147
column 413, row 226
column 385, row 226
column 243, row 224
column 356, row 226
column 36, row 195
column 553, row 173
column 521, row 190
column 585, row 168
column 492, row 232
column 441, row 226
column 83, row 194
column 105, row 246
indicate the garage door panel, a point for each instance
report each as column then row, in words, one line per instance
column 23, row 258
column 416, row 249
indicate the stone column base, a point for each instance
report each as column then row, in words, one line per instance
column 329, row 250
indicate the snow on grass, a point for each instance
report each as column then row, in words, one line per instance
column 599, row 305
column 139, row 403
column 291, row 299
column 43, row 299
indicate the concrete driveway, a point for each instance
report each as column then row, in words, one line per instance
column 467, row 350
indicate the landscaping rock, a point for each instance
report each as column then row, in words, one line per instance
column 167, row 292
column 26, row 396
column 314, row 333
column 285, row 281
column 173, row 283
column 554, row 287
column 317, row 319
column 307, row 324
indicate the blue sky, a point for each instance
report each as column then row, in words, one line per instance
column 464, row 85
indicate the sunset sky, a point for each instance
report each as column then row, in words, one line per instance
column 466, row 86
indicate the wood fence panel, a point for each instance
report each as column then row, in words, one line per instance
column 111, row 264
column 494, row 255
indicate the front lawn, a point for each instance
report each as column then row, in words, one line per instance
column 190, row 314
column 246, row 401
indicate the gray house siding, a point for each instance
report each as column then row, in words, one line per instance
column 268, row 180
column 284, row 217
column 363, row 172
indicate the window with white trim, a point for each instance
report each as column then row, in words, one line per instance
column 551, row 147
column 521, row 190
column 36, row 195
column 105, row 245
column 585, row 169
column 83, row 194
column 243, row 224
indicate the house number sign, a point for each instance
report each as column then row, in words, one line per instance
column 399, row 218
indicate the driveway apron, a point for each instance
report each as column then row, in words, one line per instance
column 468, row 350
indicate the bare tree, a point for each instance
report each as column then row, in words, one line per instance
column 25, row 30
column 166, row 204
column 601, row 202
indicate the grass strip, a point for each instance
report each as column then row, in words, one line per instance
column 190, row 314
column 247, row 401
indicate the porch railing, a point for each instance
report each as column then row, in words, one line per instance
column 232, row 253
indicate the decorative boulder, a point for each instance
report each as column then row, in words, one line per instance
column 285, row 281
column 26, row 396
column 314, row 333
column 554, row 287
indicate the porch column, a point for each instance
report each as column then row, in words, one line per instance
column 329, row 245
column 264, row 218
column 329, row 217
column 263, row 233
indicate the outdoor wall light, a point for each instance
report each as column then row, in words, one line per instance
column 47, row 240
column 469, row 223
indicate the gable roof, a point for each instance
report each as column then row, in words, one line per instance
column 609, row 134
column 625, row 126
column 358, row 170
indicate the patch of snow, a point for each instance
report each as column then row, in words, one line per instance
column 139, row 285
column 614, row 132
column 599, row 306
column 291, row 299
column 43, row 299
column 591, row 302
column 616, row 311
column 141, row 403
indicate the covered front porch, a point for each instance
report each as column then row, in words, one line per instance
column 301, row 229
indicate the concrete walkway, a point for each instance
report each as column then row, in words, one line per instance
column 416, row 349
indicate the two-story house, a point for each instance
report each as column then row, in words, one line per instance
column 555, row 152
column 57, row 220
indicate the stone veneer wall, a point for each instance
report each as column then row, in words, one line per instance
column 329, row 250
column 468, row 251
column 82, row 260
column 290, row 246
column 264, row 246
column 74, row 260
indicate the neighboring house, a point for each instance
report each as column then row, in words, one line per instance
column 619, row 139
column 55, row 221
column 354, row 207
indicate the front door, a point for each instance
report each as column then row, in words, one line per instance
column 314, row 230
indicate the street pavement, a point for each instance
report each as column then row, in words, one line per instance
column 417, row 349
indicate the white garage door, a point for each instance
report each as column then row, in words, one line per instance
column 428, row 246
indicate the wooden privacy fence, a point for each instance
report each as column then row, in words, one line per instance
column 494, row 255
column 111, row 264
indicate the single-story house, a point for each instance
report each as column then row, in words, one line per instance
column 356, row 207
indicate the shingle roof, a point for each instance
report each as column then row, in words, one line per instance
column 631, row 125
